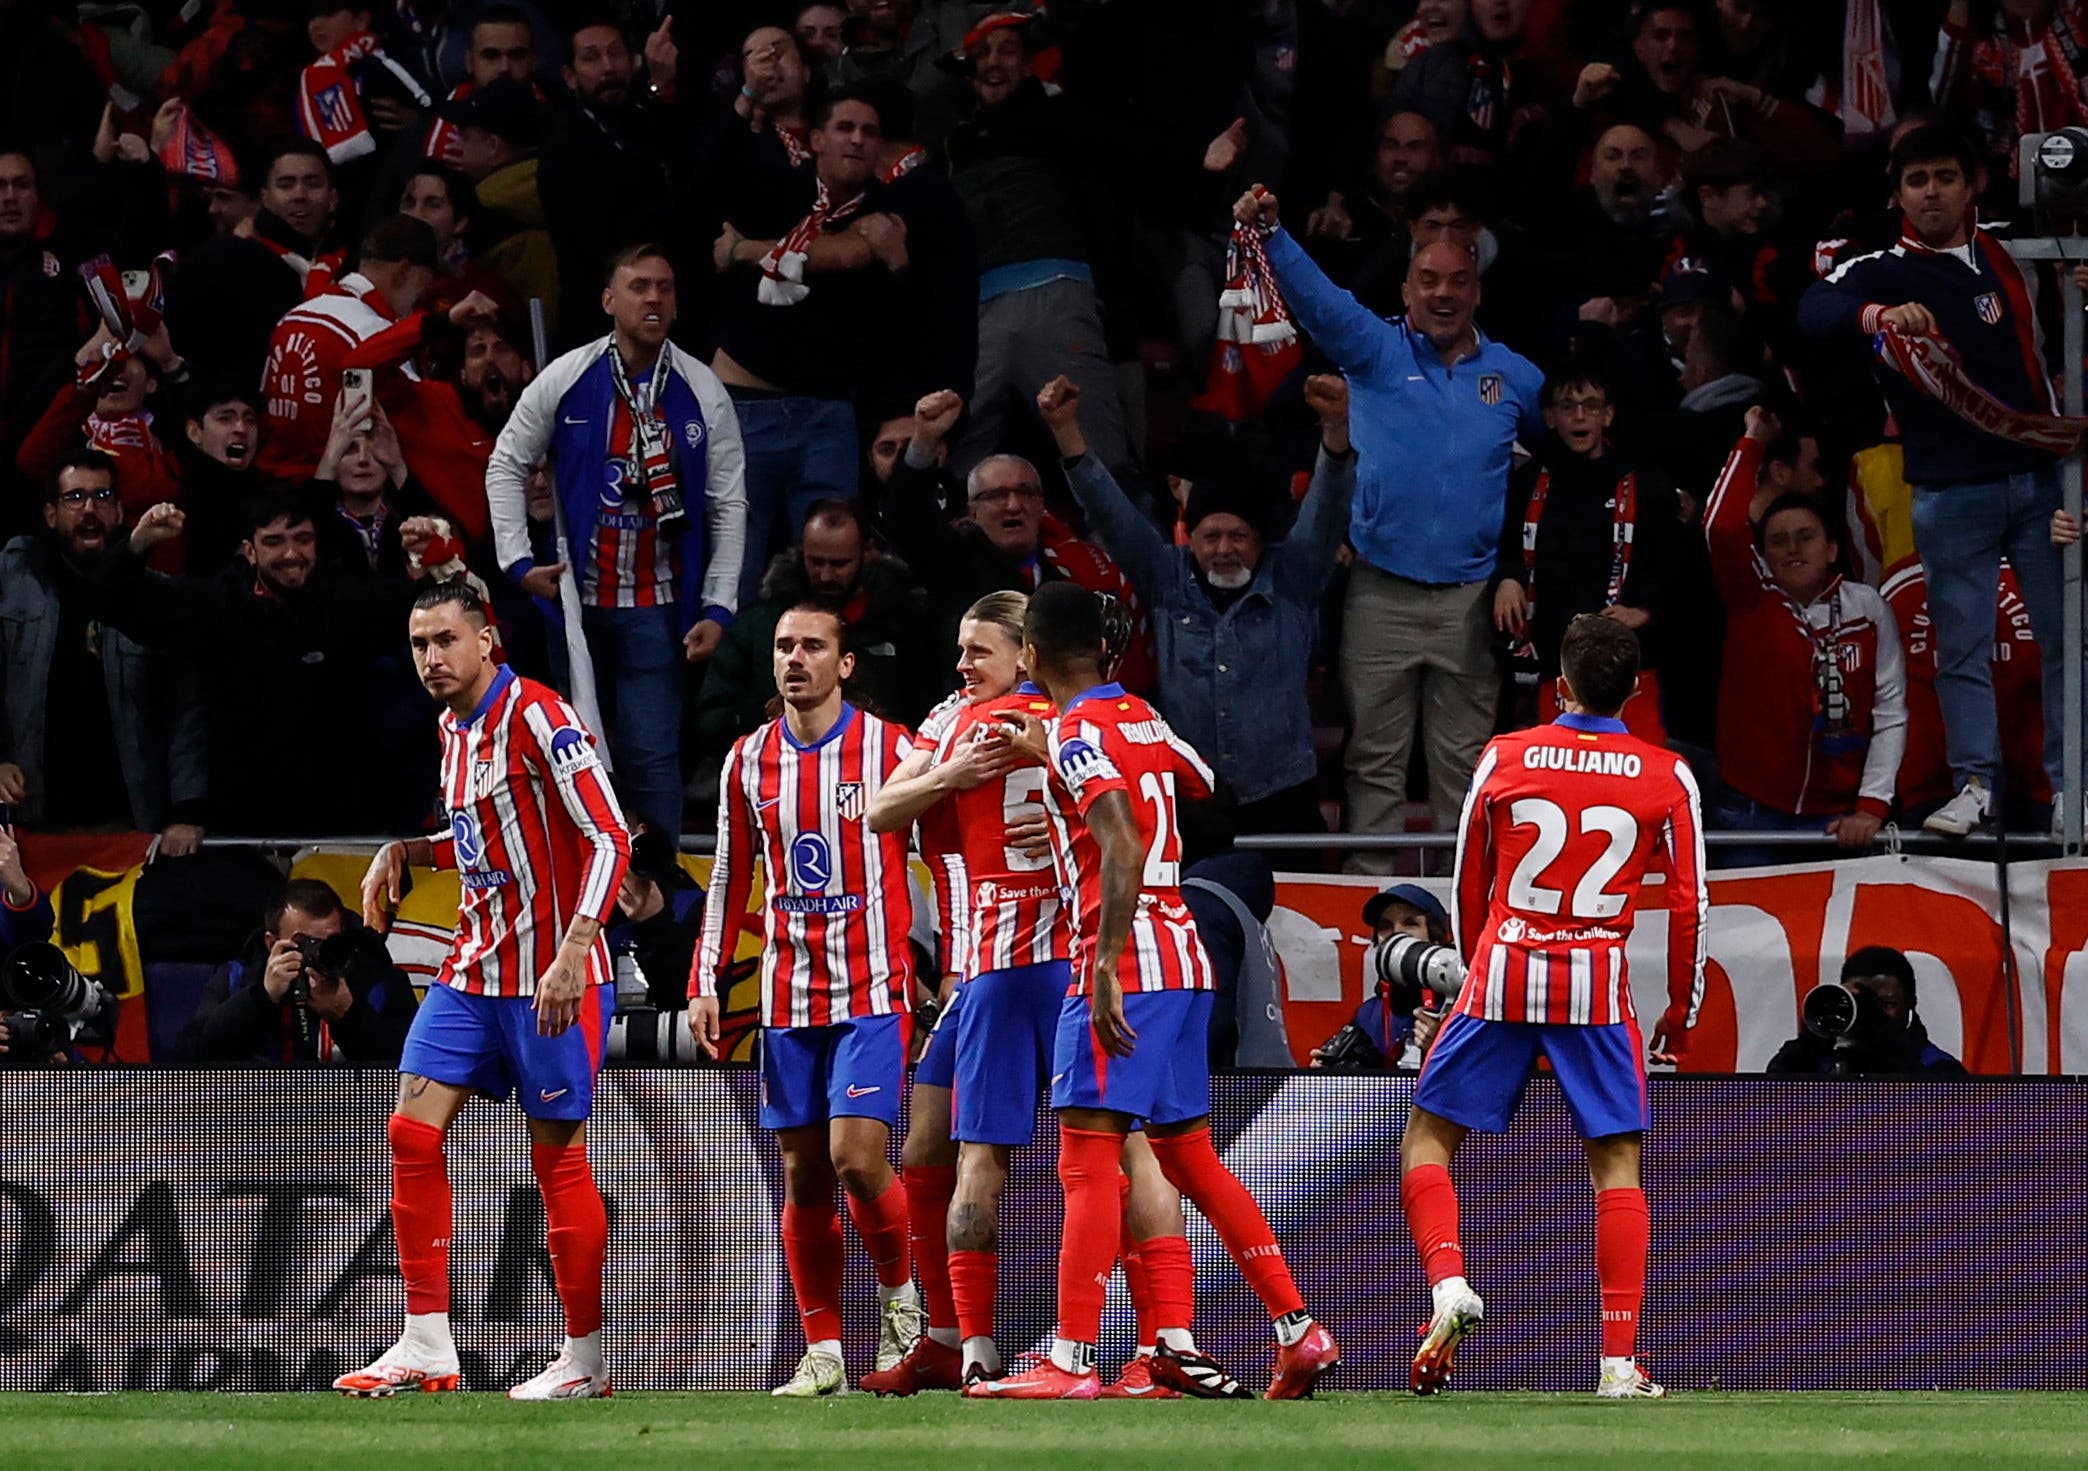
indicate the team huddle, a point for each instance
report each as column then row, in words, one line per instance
column 1044, row 799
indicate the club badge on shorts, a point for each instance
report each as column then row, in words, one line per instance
column 1489, row 388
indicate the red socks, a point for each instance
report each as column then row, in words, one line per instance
column 1192, row 1166
column 882, row 1223
column 1431, row 1211
column 974, row 1283
column 928, row 1192
column 420, row 1209
column 1170, row 1275
column 1622, row 1231
column 1088, row 1165
column 812, row 1251
column 578, row 1231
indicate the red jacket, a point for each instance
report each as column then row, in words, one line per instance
column 306, row 353
column 1772, row 742
column 445, row 448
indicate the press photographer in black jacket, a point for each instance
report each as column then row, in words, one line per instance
column 313, row 986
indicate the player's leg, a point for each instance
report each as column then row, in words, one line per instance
column 1473, row 1078
column 1004, row 1043
column 1160, row 1272
column 554, row 1078
column 793, row 1103
column 1095, row 1095
column 863, row 1082
column 450, row 1051
column 1179, row 1127
column 928, row 1165
column 1601, row 1071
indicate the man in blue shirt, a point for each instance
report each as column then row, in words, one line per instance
column 1436, row 409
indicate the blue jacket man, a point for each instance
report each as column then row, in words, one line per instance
column 1978, row 495
column 1437, row 409
column 647, row 470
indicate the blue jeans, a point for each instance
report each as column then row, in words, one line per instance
column 1962, row 531
column 799, row 450
column 638, row 674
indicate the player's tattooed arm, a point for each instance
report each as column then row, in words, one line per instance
column 1123, row 863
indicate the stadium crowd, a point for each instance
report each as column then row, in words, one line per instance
column 1357, row 345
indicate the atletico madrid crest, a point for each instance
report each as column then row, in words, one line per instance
column 1489, row 388
column 848, row 800
column 1988, row 305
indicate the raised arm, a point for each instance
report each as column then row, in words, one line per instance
column 1342, row 327
column 1727, row 531
column 1125, row 532
column 1306, row 556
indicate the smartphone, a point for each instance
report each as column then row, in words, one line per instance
column 6, row 817
column 355, row 394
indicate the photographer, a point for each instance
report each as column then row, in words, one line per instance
column 25, row 918
column 313, row 986
column 1867, row 1026
column 1391, row 1017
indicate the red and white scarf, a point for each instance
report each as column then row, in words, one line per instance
column 1933, row 366
column 1251, row 308
column 1623, row 529
column 192, row 151
column 445, row 139
column 783, row 268
column 795, row 146
column 132, row 431
column 638, row 435
column 329, row 109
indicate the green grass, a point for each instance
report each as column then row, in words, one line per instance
column 173, row 1432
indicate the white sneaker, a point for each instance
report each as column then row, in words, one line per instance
column 1968, row 810
column 404, row 1366
column 1627, row 1380
column 566, row 1378
column 900, row 1323
column 1457, row 1316
column 817, row 1374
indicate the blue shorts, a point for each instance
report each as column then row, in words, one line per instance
column 1167, row 1077
column 938, row 1065
column 851, row 1069
column 490, row 1045
column 1476, row 1072
column 1004, row 1039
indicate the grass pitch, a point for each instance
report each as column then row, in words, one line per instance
column 174, row 1432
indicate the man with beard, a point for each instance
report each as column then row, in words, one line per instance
column 106, row 734
column 288, row 654
column 1345, row 231
column 607, row 166
column 898, row 670
column 1236, row 614
column 41, row 309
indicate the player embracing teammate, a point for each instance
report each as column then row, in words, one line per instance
column 836, row 973
column 1131, row 1041
column 1560, row 827
column 978, row 798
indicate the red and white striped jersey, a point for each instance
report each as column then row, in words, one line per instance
column 535, row 836
column 1016, row 912
column 839, row 903
column 1560, row 826
column 1109, row 741
column 936, row 840
column 628, row 563
column 306, row 353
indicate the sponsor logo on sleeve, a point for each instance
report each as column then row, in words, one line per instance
column 1080, row 763
column 571, row 751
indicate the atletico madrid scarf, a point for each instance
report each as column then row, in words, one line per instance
column 1933, row 366
column 1623, row 528
column 192, row 151
column 1257, row 345
column 638, row 434
column 783, row 268
column 329, row 109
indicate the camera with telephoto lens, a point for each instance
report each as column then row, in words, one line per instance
column 1847, row 1016
column 649, row 1035
column 48, row 1006
column 1408, row 970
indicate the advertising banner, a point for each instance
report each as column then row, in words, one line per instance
column 228, row 1230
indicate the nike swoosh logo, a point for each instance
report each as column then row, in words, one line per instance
column 764, row 806
column 1055, row 1078
column 1137, row 1390
column 855, row 1092
column 571, row 420
column 544, row 1096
